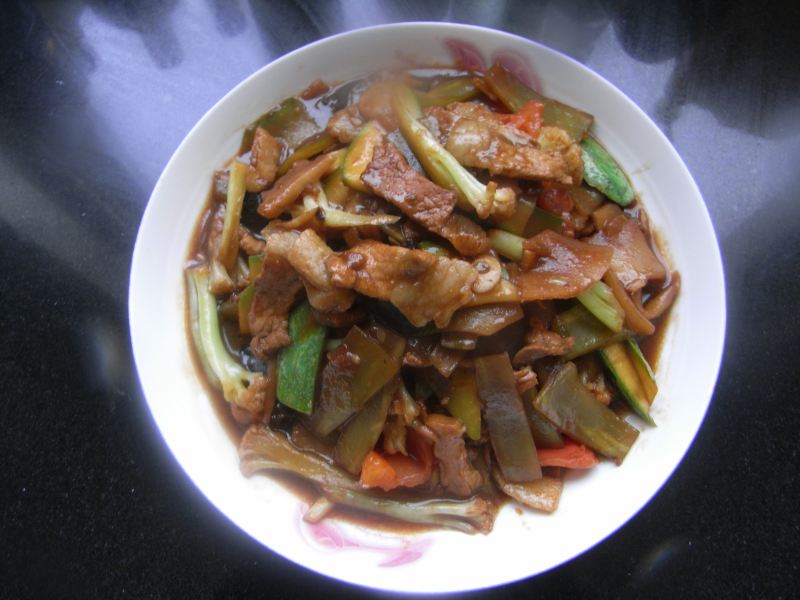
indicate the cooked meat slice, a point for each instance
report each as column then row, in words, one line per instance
column 456, row 473
column 289, row 187
column 306, row 253
column 633, row 261
column 526, row 379
column 557, row 267
column 390, row 176
column 250, row 244
column 477, row 137
column 466, row 236
column 503, row 150
column 376, row 104
column 540, row 344
column 276, row 288
column 265, row 154
column 440, row 119
column 344, row 124
column 421, row 285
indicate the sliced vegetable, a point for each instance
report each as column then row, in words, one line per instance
column 256, row 264
column 589, row 333
column 389, row 471
column 336, row 191
column 510, row 435
column 518, row 222
column 221, row 368
column 360, row 368
column 514, row 95
column 336, row 219
column 544, row 434
column 298, row 363
column 278, row 121
column 602, row 172
column 463, row 401
column 314, row 145
column 359, row 155
column 646, row 375
column 586, row 201
column 635, row 319
column 571, row 456
column 504, row 291
column 442, row 167
column 453, row 89
column 362, row 432
column 528, row 118
column 229, row 240
column 507, row 244
column 542, row 219
column 568, row 405
column 543, row 494
column 436, row 249
column 475, row 515
column 243, row 309
column 459, row 341
column 600, row 301
column 620, row 363
column 485, row 320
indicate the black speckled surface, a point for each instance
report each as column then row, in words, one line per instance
column 94, row 98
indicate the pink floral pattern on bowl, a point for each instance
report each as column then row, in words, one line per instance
column 327, row 536
column 469, row 56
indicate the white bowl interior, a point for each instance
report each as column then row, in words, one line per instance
column 521, row 545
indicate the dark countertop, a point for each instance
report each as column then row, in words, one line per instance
column 94, row 98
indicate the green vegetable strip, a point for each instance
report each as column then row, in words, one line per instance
column 343, row 392
column 540, row 220
column 514, row 95
column 221, row 368
column 245, row 301
column 363, row 431
column 510, row 435
column 359, row 155
column 308, row 149
column 507, row 244
column 568, row 405
column 600, row 301
column 589, row 333
column 298, row 363
column 454, row 89
column 602, row 172
column 544, row 434
column 464, row 402
column 620, row 365
column 441, row 166
column 646, row 375
column 436, row 249
column 277, row 121
column 229, row 241
column 518, row 222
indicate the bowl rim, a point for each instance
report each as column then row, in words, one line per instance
column 434, row 27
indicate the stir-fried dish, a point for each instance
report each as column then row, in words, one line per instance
column 425, row 292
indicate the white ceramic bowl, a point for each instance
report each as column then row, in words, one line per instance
column 521, row 545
